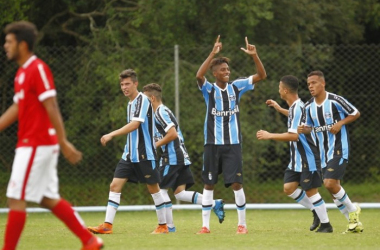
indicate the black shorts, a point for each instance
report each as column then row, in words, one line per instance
column 143, row 171
column 335, row 168
column 173, row 176
column 226, row 159
column 307, row 179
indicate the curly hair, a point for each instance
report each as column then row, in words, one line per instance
column 23, row 31
column 219, row 61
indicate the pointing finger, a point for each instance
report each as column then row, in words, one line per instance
column 217, row 39
column 246, row 41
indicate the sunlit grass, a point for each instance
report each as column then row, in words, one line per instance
column 268, row 229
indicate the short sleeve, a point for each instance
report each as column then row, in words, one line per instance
column 294, row 118
column 163, row 117
column 306, row 118
column 44, row 83
column 141, row 108
column 206, row 89
column 345, row 106
column 244, row 84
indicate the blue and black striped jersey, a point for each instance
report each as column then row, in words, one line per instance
column 222, row 123
column 304, row 154
column 322, row 117
column 140, row 144
column 173, row 153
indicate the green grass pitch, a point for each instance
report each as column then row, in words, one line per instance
column 268, row 229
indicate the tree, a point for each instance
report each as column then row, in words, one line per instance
column 13, row 10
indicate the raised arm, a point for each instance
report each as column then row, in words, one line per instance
column 251, row 50
column 277, row 107
column 9, row 117
column 205, row 65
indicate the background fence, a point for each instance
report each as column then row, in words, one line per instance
column 92, row 105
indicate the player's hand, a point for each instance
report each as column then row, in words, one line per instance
column 301, row 129
column 336, row 128
column 217, row 46
column 70, row 152
column 251, row 49
column 105, row 138
column 273, row 104
column 262, row 135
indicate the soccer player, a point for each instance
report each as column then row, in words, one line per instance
column 327, row 114
column 41, row 134
column 222, row 149
column 304, row 168
column 175, row 162
column 138, row 162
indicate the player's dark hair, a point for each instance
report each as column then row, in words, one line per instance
column 128, row 73
column 219, row 61
column 291, row 83
column 23, row 31
column 317, row 73
column 154, row 89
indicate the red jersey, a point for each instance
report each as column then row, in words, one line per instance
column 34, row 84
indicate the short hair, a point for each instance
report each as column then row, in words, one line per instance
column 317, row 73
column 128, row 73
column 23, row 31
column 154, row 89
column 219, row 61
column 291, row 83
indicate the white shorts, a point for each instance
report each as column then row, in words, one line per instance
column 34, row 174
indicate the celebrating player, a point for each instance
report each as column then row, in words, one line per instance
column 328, row 114
column 304, row 168
column 175, row 161
column 41, row 134
column 138, row 162
column 222, row 149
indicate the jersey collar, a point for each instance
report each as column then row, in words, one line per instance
column 130, row 102
column 296, row 101
column 216, row 85
column 319, row 105
column 29, row 61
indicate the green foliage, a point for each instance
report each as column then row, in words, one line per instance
column 109, row 36
column 369, row 14
column 307, row 21
column 162, row 23
column 14, row 10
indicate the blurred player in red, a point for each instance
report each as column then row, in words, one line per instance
column 41, row 134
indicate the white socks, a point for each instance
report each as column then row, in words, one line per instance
column 160, row 207
column 320, row 207
column 190, row 196
column 112, row 206
column 240, row 206
column 345, row 200
column 168, row 208
column 300, row 197
column 206, row 207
